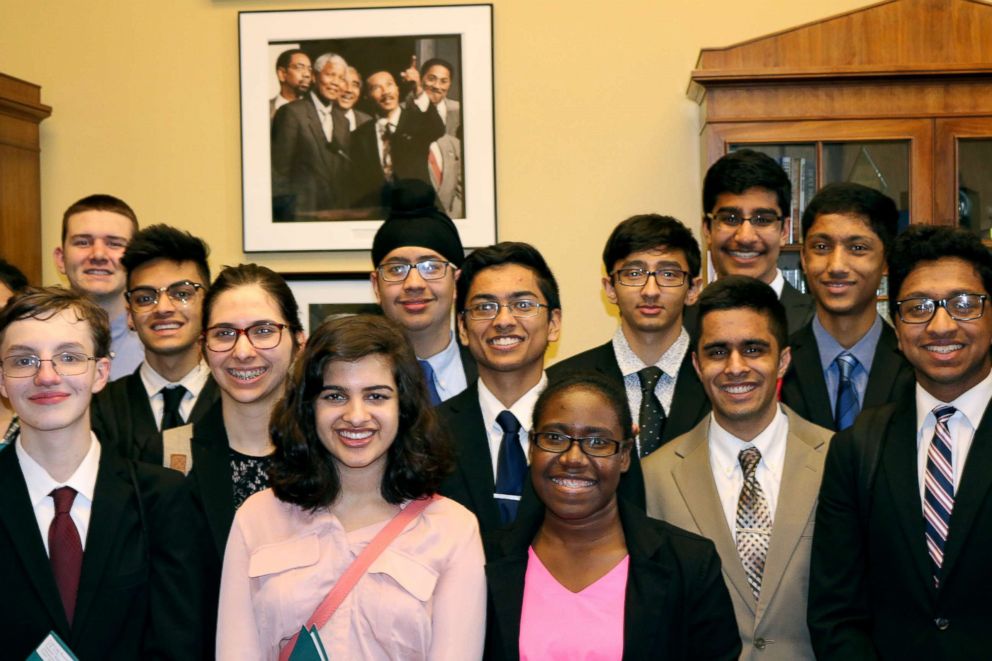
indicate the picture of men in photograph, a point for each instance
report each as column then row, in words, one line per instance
column 353, row 116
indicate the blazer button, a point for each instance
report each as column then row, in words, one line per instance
column 760, row 643
column 942, row 623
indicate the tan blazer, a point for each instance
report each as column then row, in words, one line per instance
column 681, row 490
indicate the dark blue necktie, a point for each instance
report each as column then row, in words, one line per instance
column 429, row 377
column 511, row 468
column 847, row 396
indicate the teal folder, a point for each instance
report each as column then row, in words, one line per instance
column 308, row 646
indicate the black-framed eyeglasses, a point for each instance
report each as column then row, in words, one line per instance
column 180, row 293
column 963, row 307
column 593, row 446
column 261, row 336
column 67, row 363
column 760, row 220
column 490, row 309
column 429, row 269
column 639, row 277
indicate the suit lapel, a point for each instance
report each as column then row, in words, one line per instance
column 809, row 378
column 887, row 367
column 468, row 364
column 801, row 476
column 606, row 363
column 798, row 307
column 689, row 402
column 506, row 590
column 317, row 132
column 648, row 585
column 211, row 475
column 694, row 478
column 17, row 516
column 209, row 395
column 475, row 461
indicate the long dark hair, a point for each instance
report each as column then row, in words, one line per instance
column 303, row 472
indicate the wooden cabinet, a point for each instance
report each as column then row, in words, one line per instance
column 21, row 112
column 897, row 96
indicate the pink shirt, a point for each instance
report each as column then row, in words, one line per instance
column 423, row 598
column 557, row 624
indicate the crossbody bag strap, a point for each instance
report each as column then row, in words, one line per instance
column 358, row 567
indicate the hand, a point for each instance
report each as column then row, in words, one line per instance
column 412, row 75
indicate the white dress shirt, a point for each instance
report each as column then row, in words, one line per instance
column 393, row 121
column 449, row 373
column 40, row 486
column 728, row 475
column 325, row 113
column 970, row 407
column 522, row 409
column 194, row 381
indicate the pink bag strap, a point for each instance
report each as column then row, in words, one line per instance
column 358, row 567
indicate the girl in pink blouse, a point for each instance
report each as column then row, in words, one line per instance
column 356, row 440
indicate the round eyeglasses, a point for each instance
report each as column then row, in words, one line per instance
column 963, row 307
column 429, row 269
column 593, row 446
column 67, row 363
column 180, row 293
column 260, row 336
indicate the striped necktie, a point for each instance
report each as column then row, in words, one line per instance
column 847, row 396
column 938, row 490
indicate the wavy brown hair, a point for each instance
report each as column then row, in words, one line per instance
column 303, row 472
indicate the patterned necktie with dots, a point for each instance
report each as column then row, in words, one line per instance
column 754, row 521
column 651, row 418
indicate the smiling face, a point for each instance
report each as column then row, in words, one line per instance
column 418, row 305
column 352, row 89
column 49, row 402
column 381, row 88
column 168, row 328
column 358, row 412
column 573, row 485
column 745, row 250
column 739, row 363
column 507, row 343
column 437, row 82
column 651, row 309
column 245, row 374
column 330, row 80
column 844, row 261
column 949, row 356
column 91, row 255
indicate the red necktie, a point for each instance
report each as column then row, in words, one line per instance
column 65, row 550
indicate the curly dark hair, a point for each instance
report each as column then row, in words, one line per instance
column 592, row 382
column 303, row 472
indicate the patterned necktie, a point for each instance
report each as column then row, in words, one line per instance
column 387, row 151
column 652, row 416
column 847, row 396
column 754, row 521
column 938, row 489
column 65, row 550
column 172, row 398
column 511, row 468
column 429, row 378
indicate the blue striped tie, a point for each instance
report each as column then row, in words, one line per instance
column 938, row 489
column 847, row 396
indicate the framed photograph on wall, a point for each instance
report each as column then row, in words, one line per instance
column 321, row 295
column 341, row 107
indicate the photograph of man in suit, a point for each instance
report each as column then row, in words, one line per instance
column 350, row 94
column 416, row 255
column 294, row 74
column 747, row 475
column 167, row 277
column 900, row 566
column 432, row 84
column 747, row 198
column 310, row 142
column 846, row 359
column 93, row 547
column 652, row 273
column 393, row 147
column 508, row 312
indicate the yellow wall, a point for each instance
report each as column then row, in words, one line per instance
column 592, row 120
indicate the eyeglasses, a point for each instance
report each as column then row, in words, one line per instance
column 593, row 446
column 429, row 269
column 299, row 66
column 260, row 336
column 490, row 309
column 963, row 307
column 639, row 277
column 180, row 293
column 67, row 363
column 760, row 220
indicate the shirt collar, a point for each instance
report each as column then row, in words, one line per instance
column 670, row 362
column 725, row 447
column 194, row 380
column 392, row 118
column 863, row 349
column 971, row 404
column 522, row 409
column 40, row 483
column 319, row 105
column 778, row 284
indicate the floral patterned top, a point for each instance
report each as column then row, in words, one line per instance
column 249, row 475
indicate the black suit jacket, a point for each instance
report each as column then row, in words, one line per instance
column 799, row 309
column 871, row 590
column 411, row 141
column 468, row 364
column 123, row 419
column 804, row 388
column 308, row 172
column 676, row 604
column 140, row 588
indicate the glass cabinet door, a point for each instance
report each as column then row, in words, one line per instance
column 882, row 165
column 963, row 169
